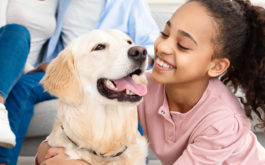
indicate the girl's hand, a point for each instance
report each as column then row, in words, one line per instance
column 57, row 156
column 42, row 151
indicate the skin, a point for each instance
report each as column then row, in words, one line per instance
column 1, row 101
column 186, row 45
column 41, row 68
column 55, row 156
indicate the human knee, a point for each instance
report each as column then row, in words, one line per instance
column 19, row 30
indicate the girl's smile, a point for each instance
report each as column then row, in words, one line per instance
column 163, row 65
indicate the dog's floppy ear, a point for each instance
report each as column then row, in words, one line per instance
column 61, row 78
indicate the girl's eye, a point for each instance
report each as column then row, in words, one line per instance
column 182, row 47
column 163, row 34
column 100, row 47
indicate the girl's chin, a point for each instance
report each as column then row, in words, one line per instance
column 158, row 76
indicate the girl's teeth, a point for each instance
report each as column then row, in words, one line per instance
column 161, row 63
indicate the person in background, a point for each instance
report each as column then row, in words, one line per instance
column 25, row 25
column 132, row 17
column 74, row 18
column 189, row 115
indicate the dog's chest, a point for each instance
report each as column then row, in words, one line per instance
column 106, row 128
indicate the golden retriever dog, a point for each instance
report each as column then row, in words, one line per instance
column 99, row 80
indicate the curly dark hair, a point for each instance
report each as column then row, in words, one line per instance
column 242, row 38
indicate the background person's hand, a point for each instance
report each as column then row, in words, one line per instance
column 41, row 68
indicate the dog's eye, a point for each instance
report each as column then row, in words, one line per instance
column 100, row 47
column 129, row 42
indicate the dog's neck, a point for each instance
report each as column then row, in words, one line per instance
column 113, row 127
column 92, row 151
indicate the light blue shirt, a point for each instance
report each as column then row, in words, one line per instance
column 130, row 16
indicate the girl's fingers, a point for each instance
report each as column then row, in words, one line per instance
column 53, row 152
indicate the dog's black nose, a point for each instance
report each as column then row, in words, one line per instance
column 137, row 53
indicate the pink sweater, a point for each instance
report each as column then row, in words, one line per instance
column 214, row 132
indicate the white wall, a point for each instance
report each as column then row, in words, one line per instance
column 170, row 2
column 163, row 9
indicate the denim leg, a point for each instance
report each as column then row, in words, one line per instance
column 14, row 49
column 19, row 104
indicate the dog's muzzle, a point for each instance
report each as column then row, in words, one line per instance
column 123, row 89
column 138, row 54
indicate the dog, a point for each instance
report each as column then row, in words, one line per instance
column 99, row 80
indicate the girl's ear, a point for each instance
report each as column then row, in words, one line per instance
column 218, row 66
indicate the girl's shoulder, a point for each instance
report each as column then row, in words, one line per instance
column 223, row 97
column 218, row 107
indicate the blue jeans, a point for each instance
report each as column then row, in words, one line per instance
column 20, row 91
column 20, row 104
column 14, row 49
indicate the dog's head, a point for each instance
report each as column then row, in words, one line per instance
column 102, row 64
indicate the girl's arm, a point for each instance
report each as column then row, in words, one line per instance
column 54, row 156
column 42, row 151
column 218, row 141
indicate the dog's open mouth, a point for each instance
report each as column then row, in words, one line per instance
column 124, row 89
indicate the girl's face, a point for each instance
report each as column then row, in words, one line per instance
column 184, row 50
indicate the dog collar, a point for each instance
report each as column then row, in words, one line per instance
column 103, row 155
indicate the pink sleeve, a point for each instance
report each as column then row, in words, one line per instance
column 215, row 144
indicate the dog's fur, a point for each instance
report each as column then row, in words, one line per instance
column 89, row 119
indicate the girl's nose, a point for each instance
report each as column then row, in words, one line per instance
column 165, row 47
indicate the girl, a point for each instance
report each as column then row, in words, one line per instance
column 194, row 118
column 189, row 116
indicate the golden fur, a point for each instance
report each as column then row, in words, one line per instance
column 88, row 118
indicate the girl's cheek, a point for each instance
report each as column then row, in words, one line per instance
column 156, row 44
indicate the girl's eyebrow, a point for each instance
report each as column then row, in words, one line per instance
column 187, row 35
column 168, row 23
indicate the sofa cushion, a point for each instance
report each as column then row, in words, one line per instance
column 43, row 118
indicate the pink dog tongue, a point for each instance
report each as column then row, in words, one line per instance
column 128, row 83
